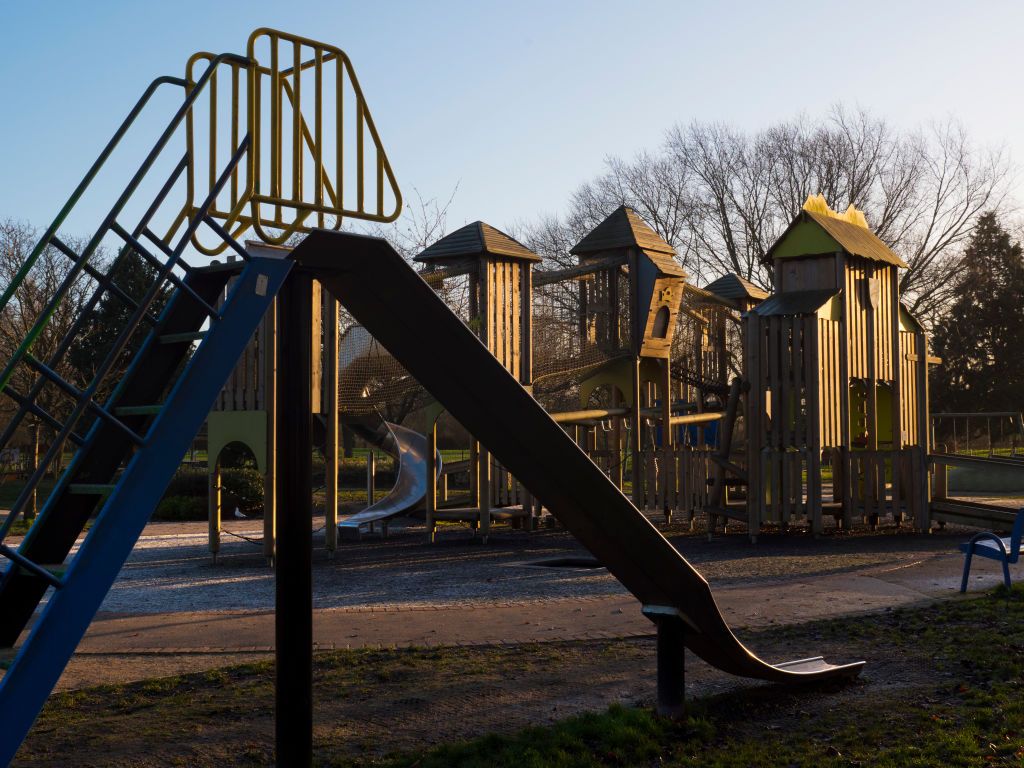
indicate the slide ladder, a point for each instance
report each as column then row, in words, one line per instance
column 132, row 422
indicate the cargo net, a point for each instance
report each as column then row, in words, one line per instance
column 579, row 325
column 370, row 379
column 704, row 335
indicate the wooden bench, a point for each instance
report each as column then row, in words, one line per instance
column 987, row 544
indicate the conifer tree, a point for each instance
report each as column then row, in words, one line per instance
column 981, row 338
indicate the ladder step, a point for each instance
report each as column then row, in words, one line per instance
column 34, row 568
column 34, row 409
column 91, row 489
column 115, row 422
column 164, row 269
column 138, row 410
column 103, row 280
column 181, row 338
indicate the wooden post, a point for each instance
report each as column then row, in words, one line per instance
column 484, row 491
column 667, row 463
column 371, row 480
column 33, row 502
column 525, row 371
column 294, row 583
column 616, row 437
column 430, row 503
column 635, row 441
column 755, row 426
column 871, row 393
column 813, row 383
column 332, row 461
column 844, row 401
column 896, row 417
column 213, row 518
column 924, row 435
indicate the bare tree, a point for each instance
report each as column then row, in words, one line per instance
column 26, row 306
column 722, row 196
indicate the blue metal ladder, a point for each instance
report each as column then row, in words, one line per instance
column 130, row 435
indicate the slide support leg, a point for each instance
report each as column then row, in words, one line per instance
column 671, row 660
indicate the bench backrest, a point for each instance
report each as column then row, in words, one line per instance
column 1015, row 536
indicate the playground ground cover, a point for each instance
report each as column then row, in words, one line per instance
column 943, row 687
column 188, row 707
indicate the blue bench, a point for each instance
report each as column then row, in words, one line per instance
column 993, row 547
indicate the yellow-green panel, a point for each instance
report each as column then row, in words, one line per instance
column 246, row 427
column 805, row 239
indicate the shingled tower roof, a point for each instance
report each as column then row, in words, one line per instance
column 622, row 229
column 476, row 239
column 733, row 286
column 625, row 229
column 818, row 230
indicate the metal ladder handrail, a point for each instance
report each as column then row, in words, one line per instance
column 191, row 96
column 85, row 398
column 123, row 338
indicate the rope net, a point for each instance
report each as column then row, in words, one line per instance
column 370, row 378
column 579, row 325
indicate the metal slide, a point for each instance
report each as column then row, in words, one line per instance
column 386, row 296
column 410, row 488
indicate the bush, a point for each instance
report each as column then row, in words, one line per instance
column 181, row 508
column 242, row 487
column 188, row 493
column 190, row 483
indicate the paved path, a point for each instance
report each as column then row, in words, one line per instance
column 402, row 592
column 513, row 622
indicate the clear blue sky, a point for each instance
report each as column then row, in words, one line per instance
column 517, row 102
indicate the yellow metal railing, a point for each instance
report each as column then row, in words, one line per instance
column 300, row 172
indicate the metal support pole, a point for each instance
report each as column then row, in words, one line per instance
column 671, row 667
column 294, row 611
column 270, row 336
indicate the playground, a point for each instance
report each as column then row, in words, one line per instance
column 483, row 492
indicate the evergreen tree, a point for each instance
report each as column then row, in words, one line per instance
column 134, row 276
column 981, row 338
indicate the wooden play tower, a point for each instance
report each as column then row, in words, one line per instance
column 837, row 374
column 499, row 271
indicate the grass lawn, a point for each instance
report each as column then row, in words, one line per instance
column 942, row 688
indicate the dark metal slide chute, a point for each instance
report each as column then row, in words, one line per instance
column 404, row 314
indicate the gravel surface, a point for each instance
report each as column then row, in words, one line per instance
column 171, row 570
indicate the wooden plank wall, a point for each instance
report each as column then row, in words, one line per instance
column 830, row 408
column 675, row 478
column 885, row 482
column 503, row 329
column 859, row 273
column 793, row 353
column 244, row 390
column 805, row 274
column 909, row 387
column 504, row 308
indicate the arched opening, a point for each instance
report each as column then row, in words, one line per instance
column 241, row 481
column 660, row 328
